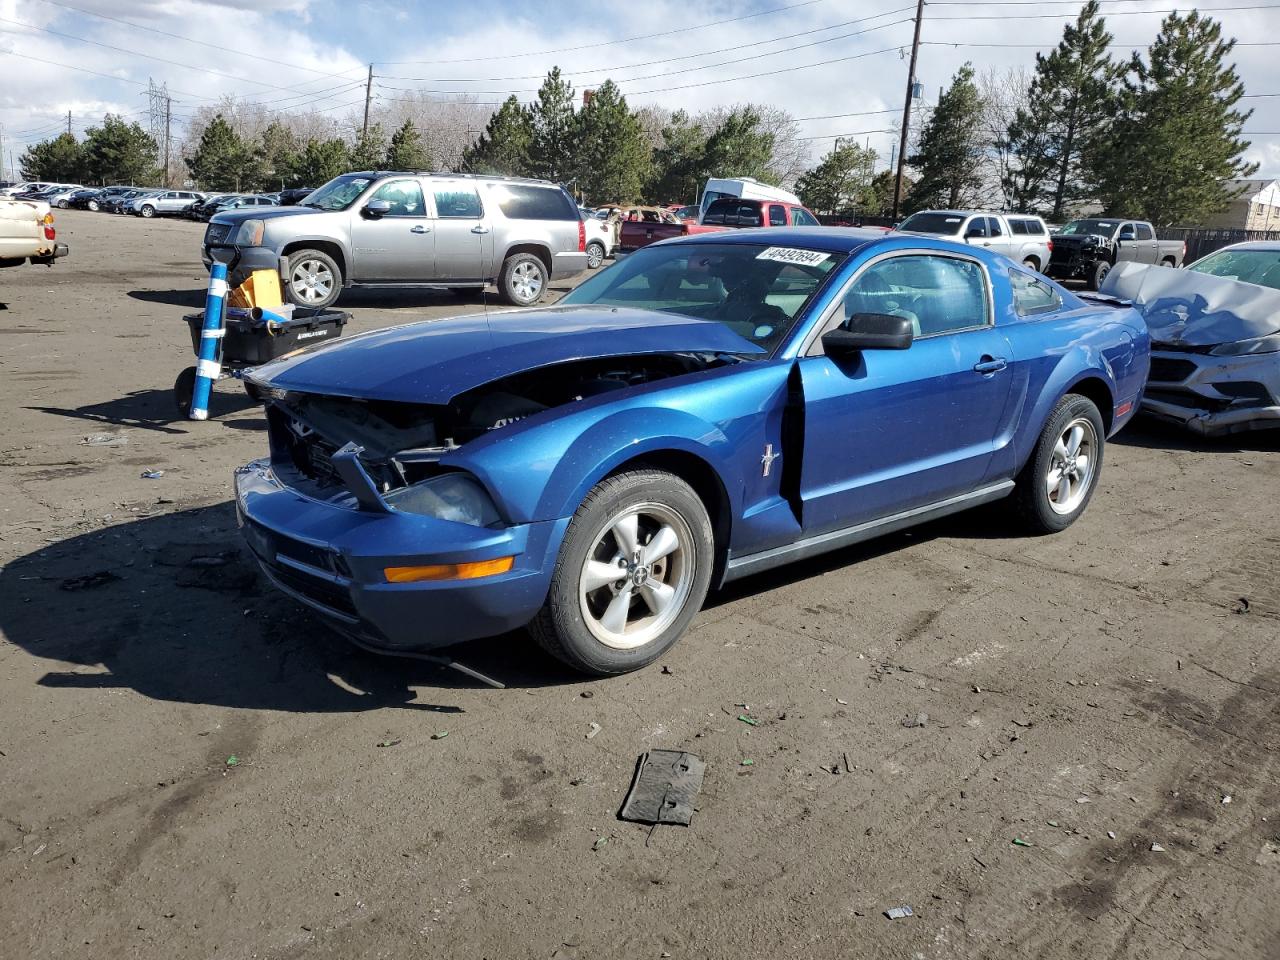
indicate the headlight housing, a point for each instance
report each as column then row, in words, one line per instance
column 249, row 233
column 1243, row 348
column 450, row 496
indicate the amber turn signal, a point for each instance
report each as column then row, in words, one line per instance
column 449, row 571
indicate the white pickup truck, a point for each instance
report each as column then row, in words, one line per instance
column 27, row 233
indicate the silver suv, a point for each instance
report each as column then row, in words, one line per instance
column 1019, row 236
column 383, row 228
column 170, row 202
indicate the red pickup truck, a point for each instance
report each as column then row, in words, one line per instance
column 726, row 214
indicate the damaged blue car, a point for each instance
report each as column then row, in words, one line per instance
column 708, row 408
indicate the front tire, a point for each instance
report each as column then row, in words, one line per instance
column 1058, row 481
column 633, row 570
column 314, row 279
column 62, row 204
column 148, row 211
column 1100, row 271
column 94, row 206
column 523, row 279
column 595, row 254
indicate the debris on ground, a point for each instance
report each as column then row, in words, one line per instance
column 233, row 760
column 586, row 694
column 389, row 743
column 595, row 728
column 667, row 670
column 1242, row 605
column 747, row 763
column 440, row 735
column 105, row 440
column 151, row 474
column 664, row 787
column 1111, row 834
column 1156, row 848
column 1083, row 800
column 88, row 581
column 600, row 842
column 749, row 720
column 1019, row 842
column 899, row 913
column 1226, row 798
column 919, row 720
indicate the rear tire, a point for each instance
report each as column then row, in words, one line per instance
column 1058, row 481
column 93, row 205
column 184, row 389
column 148, row 211
column 650, row 530
column 314, row 279
column 1030, row 264
column 523, row 280
column 1168, row 262
column 595, row 254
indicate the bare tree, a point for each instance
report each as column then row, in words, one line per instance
column 1003, row 93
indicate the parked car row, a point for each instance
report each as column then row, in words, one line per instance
column 148, row 202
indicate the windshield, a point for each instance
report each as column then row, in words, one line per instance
column 338, row 194
column 1252, row 266
column 1078, row 228
column 943, row 224
column 755, row 290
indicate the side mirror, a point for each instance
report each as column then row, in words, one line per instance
column 868, row 331
column 377, row 208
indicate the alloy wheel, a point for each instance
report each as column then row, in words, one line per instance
column 636, row 578
column 312, row 280
column 1072, row 466
column 526, row 280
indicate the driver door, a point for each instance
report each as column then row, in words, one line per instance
column 891, row 430
column 396, row 245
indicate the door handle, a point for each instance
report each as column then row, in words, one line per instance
column 989, row 364
column 479, row 228
column 419, row 229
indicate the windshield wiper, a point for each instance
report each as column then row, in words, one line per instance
column 313, row 206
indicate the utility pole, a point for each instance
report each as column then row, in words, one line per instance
column 906, row 111
column 69, row 123
column 168, row 119
column 368, row 96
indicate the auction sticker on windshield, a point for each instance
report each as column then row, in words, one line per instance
column 806, row 258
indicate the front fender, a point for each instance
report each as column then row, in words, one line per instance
column 545, row 472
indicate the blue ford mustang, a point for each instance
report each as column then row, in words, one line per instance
column 708, row 408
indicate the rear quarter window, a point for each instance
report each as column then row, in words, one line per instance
column 522, row 202
column 1018, row 226
column 1032, row 297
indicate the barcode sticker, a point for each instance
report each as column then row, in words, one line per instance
column 805, row 258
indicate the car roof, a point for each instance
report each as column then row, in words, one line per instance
column 483, row 177
column 982, row 213
column 1261, row 245
column 832, row 239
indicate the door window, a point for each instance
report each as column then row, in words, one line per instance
column 993, row 227
column 937, row 294
column 803, row 218
column 1032, row 296
column 460, row 203
column 405, row 197
column 777, row 215
column 1144, row 231
column 977, row 227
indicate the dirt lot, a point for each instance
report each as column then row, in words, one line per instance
column 1092, row 695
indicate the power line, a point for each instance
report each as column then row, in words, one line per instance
column 1114, row 13
column 768, row 73
column 687, row 56
column 610, row 43
column 273, row 61
column 1054, row 43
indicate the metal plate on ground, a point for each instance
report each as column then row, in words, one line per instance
column 664, row 787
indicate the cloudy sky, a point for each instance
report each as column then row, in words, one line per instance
column 838, row 64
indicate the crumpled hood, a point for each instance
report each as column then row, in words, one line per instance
column 435, row 360
column 1196, row 309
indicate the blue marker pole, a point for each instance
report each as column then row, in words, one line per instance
column 208, row 366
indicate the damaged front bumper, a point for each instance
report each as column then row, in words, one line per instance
column 332, row 558
column 1214, row 396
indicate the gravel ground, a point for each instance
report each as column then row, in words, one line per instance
column 1097, row 696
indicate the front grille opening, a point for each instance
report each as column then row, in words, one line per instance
column 1254, row 394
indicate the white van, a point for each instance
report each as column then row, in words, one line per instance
column 742, row 188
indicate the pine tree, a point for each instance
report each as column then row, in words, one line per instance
column 321, row 161
column 679, row 163
column 1068, row 103
column 613, row 157
column 740, row 147
column 60, row 160
column 503, row 148
column 840, row 182
column 119, row 152
column 407, row 151
column 222, row 161
column 553, row 146
column 1176, row 139
column 276, row 157
column 948, row 161
column 369, row 152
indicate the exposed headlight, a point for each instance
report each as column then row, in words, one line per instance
column 1242, row 348
column 451, row 496
column 250, row 233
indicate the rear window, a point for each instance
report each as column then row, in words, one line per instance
column 525, row 202
column 1018, row 226
column 734, row 213
column 945, row 224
